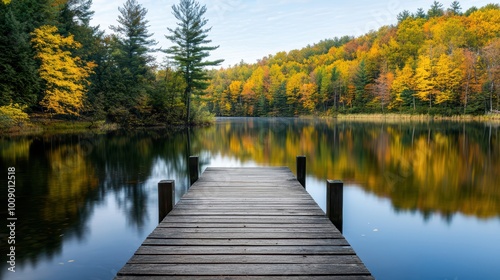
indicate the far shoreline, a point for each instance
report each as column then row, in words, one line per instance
column 418, row 117
column 377, row 117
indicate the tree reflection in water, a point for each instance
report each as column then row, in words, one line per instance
column 443, row 168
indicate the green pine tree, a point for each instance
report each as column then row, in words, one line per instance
column 132, row 47
column 190, row 48
column 19, row 80
column 361, row 80
column 436, row 10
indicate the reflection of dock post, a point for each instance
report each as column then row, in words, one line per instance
column 166, row 198
column 193, row 170
column 301, row 170
column 334, row 202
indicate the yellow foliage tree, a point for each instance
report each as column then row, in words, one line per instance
column 248, row 95
column 448, row 79
column 12, row 115
column 404, row 81
column 410, row 38
column 484, row 26
column 424, row 79
column 235, row 91
column 450, row 33
column 294, row 89
column 65, row 76
column 276, row 78
column 309, row 97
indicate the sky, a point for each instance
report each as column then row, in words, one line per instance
column 248, row 30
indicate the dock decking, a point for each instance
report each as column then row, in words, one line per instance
column 245, row 223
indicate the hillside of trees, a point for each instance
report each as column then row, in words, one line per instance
column 444, row 61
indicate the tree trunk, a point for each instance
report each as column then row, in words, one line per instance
column 187, row 96
column 466, row 92
column 491, row 96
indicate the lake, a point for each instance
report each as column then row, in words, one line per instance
column 421, row 199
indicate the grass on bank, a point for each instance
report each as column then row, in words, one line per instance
column 417, row 117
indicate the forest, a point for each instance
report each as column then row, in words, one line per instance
column 56, row 66
column 440, row 62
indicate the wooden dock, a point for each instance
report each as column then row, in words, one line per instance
column 245, row 223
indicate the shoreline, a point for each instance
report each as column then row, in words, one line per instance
column 58, row 126
column 420, row 117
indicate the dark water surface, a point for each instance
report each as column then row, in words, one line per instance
column 421, row 200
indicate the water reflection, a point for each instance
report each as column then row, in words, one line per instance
column 440, row 168
column 443, row 168
column 61, row 179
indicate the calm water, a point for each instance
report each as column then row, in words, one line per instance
column 422, row 200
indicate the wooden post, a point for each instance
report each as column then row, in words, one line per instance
column 334, row 202
column 301, row 170
column 166, row 198
column 193, row 170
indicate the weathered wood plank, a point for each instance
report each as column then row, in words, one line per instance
column 240, row 225
column 245, row 230
column 247, row 208
column 239, row 212
column 246, row 242
column 243, row 269
column 254, row 235
column 245, row 250
column 251, row 259
column 247, row 219
column 254, row 202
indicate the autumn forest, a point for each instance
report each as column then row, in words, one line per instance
column 443, row 61
column 55, row 65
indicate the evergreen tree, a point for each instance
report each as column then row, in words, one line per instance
column 361, row 80
column 74, row 19
column 436, row 10
column 420, row 13
column 262, row 106
column 19, row 81
column 455, row 8
column 103, row 76
column 73, row 14
column 35, row 13
column 190, row 47
column 131, row 52
column 403, row 15
column 279, row 101
column 470, row 11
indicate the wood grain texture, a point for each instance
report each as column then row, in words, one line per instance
column 245, row 223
